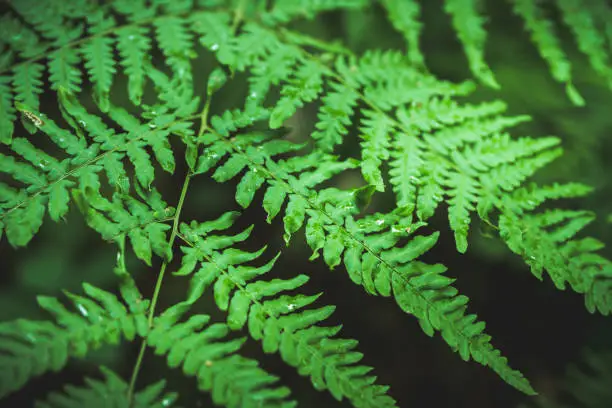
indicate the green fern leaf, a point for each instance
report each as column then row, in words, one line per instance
column 545, row 38
column 7, row 112
column 110, row 393
column 404, row 15
column 278, row 321
column 65, row 76
column 31, row 348
column 98, row 55
column 468, row 22
column 546, row 241
column 582, row 23
column 203, row 352
column 28, row 84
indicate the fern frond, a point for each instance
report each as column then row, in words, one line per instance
column 56, row 39
column 204, row 352
column 176, row 43
column 304, row 87
column 469, row 23
column 276, row 319
column 28, row 85
column 48, row 180
column 125, row 216
column 404, row 15
column 545, row 38
column 111, row 392
column 440, row 150
column 334, row 116
column 371, row 261
column 31, row 348
column 547, row 242
column 64, row 74
column 284, row 11
column 52, row 21
column 7, row 111
column 580, row 20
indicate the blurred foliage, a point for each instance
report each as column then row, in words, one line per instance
column 420, row 371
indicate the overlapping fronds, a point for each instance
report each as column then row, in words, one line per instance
column 111, row 392
column 282, row 322
column 439, row 151
column 409, row 131
column 44, row 181
column 51, row 37
column 203, row 351
column 588, row 22
column 31, row 348
column 367, row 248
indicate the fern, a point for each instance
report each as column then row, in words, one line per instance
column 142, row 92
column 111, row 392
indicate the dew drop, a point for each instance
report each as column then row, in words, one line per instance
column 291, row 306
column 82, row 310
column 214, row 47
column 380, row 222
column 152, row 125
column 83, row 123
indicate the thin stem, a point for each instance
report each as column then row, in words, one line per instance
column 162, row 270
column 239, row 14
column 158, row 284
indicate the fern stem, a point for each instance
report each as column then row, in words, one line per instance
column 239, row 15
column 160, row 276
column 158, row 284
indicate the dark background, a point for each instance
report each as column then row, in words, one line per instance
column 540, row 329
